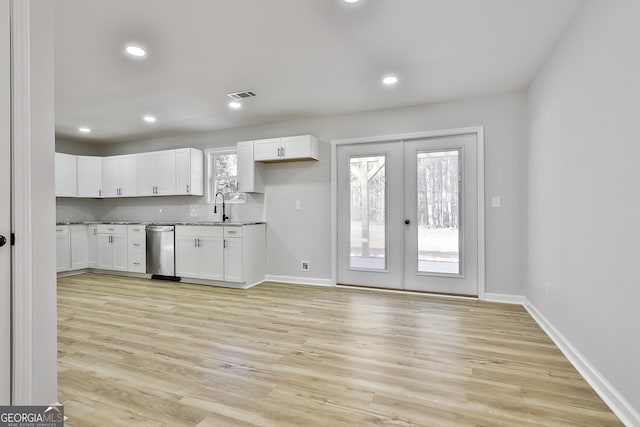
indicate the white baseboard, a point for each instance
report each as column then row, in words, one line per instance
column 504, row 298
column 618, row 404
column 299, row 280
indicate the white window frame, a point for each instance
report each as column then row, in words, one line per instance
column 210, row 182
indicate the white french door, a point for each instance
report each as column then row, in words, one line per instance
column 5, row 209
column 408, row 214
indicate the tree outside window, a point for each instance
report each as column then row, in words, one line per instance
column 223, row 176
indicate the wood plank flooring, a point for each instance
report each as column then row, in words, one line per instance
column 152, row 353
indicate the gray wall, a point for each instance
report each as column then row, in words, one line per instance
column 583, row 198
column 297, row 234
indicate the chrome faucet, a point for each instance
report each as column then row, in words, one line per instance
column 215, row 206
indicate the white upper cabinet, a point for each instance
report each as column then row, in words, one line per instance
column 290, row 148
column 267, row 149
column 157, row 173
column 129, row 175
column 66, row 175
column 190, row 172
column 89, row 176
column 249, row 173
column 120, row 176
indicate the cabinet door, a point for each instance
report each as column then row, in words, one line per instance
column 186, row 256
column 119, row 244
column 105, row 252
column 300, row 147
column 79, row 247
column 233, row 260
column 129, row 175
column 92, row 246
column 266, row 149
column 63, row 249
column 183, row 171
column 89, row 176
column 110, row 176
column 166, row 173
column 211, row 258
column 66, row 175
column 146, row 174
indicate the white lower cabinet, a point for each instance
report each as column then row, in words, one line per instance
column 234, row 254
column 63, row 248
column 112, row 247
column 79, row 247
column 199, row 252
column 233, row 261
column 137, row 248
column 92, row 245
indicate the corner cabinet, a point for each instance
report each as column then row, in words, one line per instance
column 89, row 176
column 232, row 256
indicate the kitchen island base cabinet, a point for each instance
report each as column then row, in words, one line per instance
column 231, row 256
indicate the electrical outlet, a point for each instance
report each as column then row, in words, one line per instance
column 304, row 265
column 298, row 204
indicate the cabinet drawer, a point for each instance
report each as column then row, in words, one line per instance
column 232, row 231
column 137, row 263
column 112, row 229
column 136, row 230
column 62, row 229
column 199, row 231
column 136, row 246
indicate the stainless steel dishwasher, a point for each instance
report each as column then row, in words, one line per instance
column 160, row 251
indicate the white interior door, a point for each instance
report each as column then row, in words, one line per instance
column 408, row 214
column 370, row 215
column 5, row 208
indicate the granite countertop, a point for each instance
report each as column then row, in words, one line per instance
column 211, row 223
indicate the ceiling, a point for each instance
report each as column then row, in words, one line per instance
column 302, row 58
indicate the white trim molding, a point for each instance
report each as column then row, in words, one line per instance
column 504, row 298
column 299, row 280
column 618, row 404
column 22, row 278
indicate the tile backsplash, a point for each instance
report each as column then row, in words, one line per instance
column 157, row 209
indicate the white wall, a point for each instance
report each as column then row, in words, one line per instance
column 583, row 198
column 296, row 234
column 42, row 389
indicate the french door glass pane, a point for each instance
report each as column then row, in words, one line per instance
column 438, row 212
column 368, row 230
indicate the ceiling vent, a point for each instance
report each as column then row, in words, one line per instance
column 241, row 95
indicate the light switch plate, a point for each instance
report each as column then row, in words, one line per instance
column 495, row 202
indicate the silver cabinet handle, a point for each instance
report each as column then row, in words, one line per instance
column 95, row 231
column 100, row 192
column 195, row 243
column 231, row 231
column 187, row 188
column 136, row 263
column 136, row 244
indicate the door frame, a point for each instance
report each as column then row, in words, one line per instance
column 478, row 131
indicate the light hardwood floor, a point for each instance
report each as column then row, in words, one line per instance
column 150, row 353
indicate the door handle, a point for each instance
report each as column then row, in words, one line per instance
column 3, row 241
column 407, row 222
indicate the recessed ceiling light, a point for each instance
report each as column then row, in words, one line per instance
column 390, row 80
column 84, row 129
column 135, row 50
column 351, row 1
column 149, row 119
column 235, row 105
